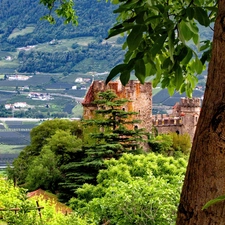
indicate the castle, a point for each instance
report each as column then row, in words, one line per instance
column 183, row 118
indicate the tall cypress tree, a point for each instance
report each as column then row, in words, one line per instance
column 115, row 131
column 109, row 134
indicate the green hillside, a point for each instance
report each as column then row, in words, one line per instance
column 58, row 47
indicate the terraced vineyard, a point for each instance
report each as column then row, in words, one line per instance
column 14, row 136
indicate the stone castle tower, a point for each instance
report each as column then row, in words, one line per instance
column 183, row 119
column 139, row 96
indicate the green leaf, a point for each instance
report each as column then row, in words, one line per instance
column 182, row 88
column 192, row 81
column 126, row 6
column 135, row 37
column 180, row 33
column 205, row 45
column 183, row 51
column 125, row 77
column 189, row 91
column 170, row 89
column 115, row 2
column 198, row 66
column 130, row 64
column 115, row 71
column 167, row 64
column 152, row 18
column 188, row 57
column 178, row 77
column 165, row 82
column 171, row 41
column 150, row 67
column 201, row 16
column 140, row 70
column 155, row 82
column 185, row 31
column 113, row 32
column 196, row 39
column 189, row 12
column 214, row 201
column 193, row 27
column 157, row 47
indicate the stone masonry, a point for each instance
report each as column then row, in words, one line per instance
column 139, row 96
column 182, row 120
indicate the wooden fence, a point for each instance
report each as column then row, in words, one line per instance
column 38, row 208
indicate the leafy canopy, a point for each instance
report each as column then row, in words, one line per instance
column 136, row 189
column 62, row 8
column 15, row 197
column 163, row 41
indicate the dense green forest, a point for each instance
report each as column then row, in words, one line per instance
column 69, row 60
column 95, row 18
column 61, row 49
column 141, row 187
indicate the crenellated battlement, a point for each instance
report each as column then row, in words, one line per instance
column 190, row 102
column 183, row 118
column 166, row 120
column 139, row 96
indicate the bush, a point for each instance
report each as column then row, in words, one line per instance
column 161, row 143
column 136, row 189
column 172, row 144
column 14, row 197
column 181, row 142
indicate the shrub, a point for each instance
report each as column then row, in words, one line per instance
column 181, row 142
column 136, row 189
column 14, row 197
column 171, row 144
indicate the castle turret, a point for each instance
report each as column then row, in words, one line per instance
column 139, row 96
column 189, row 110
column 183, row 119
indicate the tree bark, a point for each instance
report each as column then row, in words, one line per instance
column 205, row 176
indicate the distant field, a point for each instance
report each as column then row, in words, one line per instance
column 22, row 32
column 79, row 40
column 9, row 64
column 7, row 70
column 10, row 149
column 64, row 45
column 4, row 54
column 16, row 134
column 33, row 81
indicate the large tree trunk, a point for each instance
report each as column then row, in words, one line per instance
column 205, row 177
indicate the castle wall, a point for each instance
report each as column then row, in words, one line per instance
column 183, row 119
column 140, row 96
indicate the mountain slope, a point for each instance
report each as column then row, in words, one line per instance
column 95, row 18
